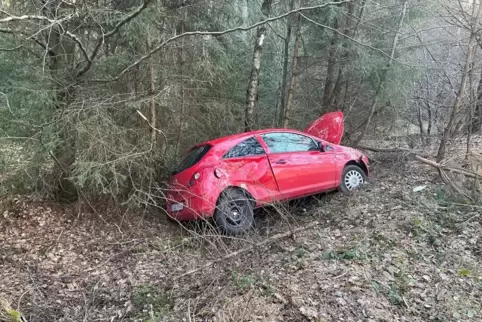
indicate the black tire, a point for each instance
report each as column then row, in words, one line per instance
column 234, row 213
column 352, row 172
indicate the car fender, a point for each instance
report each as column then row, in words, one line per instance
column 346, row 156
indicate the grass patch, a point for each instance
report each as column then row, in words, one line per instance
column 243, row 282
column 151, row 305
column 342, row 254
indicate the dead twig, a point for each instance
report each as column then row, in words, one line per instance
column 434, row 164
column 122, row 253
column 465, row 172
column 247, row 249
column 392, row 150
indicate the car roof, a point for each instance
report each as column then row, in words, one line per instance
column 235, row 137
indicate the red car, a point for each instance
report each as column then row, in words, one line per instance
column 228, row 177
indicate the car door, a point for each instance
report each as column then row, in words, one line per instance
column 299, row 166
column 246, row 165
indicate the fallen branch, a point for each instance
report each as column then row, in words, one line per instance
column 362, row 147
column 465, row 172
column 247, row 249
column 434, row 164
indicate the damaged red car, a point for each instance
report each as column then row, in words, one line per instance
column 227, row 178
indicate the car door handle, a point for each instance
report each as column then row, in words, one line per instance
column 281, row 161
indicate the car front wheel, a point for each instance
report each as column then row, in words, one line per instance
column 234, row 213
column 352, row 178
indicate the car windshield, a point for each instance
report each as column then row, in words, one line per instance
column 193, row 157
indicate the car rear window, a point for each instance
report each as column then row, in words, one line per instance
column 248, row 147
column 193, row 157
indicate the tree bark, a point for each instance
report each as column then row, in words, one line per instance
column 294, row 74
column 420, row 121
column 429, row 125
column 284, row 77
column 253, row 84
column 463, row 82
column 384, row 74
column 181, row 71
column 330, row 71
column 152, row 92
column 60, row 63
column 472, row 105
column 350, row 31
column 477, row 119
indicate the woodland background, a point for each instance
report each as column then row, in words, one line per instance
column 102, row 98
column 99, row 100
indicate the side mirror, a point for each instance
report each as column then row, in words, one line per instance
column 321, row 147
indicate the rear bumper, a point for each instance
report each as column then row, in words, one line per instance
column 194, row 207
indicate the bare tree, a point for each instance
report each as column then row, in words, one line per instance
column 294, row 74
column 252, row 92
column 350, row 30
column 477, row 119
column 330, row 71
column 152, row 93
column 284, row 76
column 449, row 129
column 384, row 74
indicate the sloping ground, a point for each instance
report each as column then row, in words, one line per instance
column 386, row 253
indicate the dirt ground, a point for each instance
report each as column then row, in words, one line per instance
column 401, row 249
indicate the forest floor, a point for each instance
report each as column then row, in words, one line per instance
column 401, row 249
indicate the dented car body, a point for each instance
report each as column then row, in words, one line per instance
column 262, row 167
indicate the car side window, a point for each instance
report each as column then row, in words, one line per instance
column 248, row 147
column 289, row 142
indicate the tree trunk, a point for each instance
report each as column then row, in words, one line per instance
column 477, row 119
column 330, row 71
column 252, row 91
column 463, row 82
column 294, row 72
column 429, row 125
column 284, row 77
column 420, row 121
column 181, row 71
column 152, row 92
column 61, row 61
column 472, row 105
column 384, row 74
column 350, row 31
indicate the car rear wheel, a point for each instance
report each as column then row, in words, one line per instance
column 234, row 213
column 352, row 178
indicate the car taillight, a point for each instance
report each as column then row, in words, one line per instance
column 194, row 179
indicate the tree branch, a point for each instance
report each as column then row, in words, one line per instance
column 439, row 166
column 217, row 33
column 101, row 40
column 11, row 49
column 354, row 40
column 127, row 19
column 82, row 48
column 35, row 17
column 41, row 44
column 249, row 248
